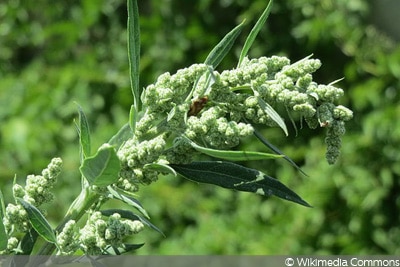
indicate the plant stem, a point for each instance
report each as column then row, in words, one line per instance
column 77, row 209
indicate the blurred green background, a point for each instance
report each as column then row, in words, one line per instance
column 53, row 53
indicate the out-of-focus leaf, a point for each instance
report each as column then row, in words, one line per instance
column 38, row 221
column 103, row 168
column 232, row 176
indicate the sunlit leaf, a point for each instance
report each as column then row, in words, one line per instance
column 256, row 29
column 162, row 168
column 232, row 176
column 3, row 234
column 84, row 134
column 103, row 168
column 134, row 50
column 234, row 155
column 273, row 114
column 222, row 48
column 38, row 221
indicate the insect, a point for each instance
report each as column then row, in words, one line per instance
column 197, row 105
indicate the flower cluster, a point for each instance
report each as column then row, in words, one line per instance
column 35, row 192
column 218, row 109
column 98, row 234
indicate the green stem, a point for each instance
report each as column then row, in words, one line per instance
column 77, row 209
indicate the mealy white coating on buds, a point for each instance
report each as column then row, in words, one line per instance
column 227, row 114
column 99, row 233
column 67, row 240
column 36, row 192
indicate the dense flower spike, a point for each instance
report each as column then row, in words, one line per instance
column 36, row 192
column 230, row 104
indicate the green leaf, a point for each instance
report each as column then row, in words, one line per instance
column 84, row 134
column 276, row 150
column 222, row 48
column 232, row 176
column 38, row 221
column 256, row 29
column 128, row 200
column 163, row 168
column 273, row 114
column 123, row 135
column 134, row 50
column 3, row 234
column 234, row 155
column 127, row 214
column 28, row 241
column 132, row 118
column 103, row 168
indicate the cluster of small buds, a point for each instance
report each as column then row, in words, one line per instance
column 170, row 90
column 36, row 192
column 37, row 188
column 67, row 239
column 218, row 109
column 134, row 155
column 99, row 233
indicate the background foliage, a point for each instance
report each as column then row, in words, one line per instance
column 54, row 53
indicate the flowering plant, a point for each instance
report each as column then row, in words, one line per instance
column 195, row 111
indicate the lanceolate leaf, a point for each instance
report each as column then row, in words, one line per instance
column 134, row 50
column 222, row 48
column 3, row 234
column 103, row 168
column 84, row 134
column 123, row 135
column 252, row 36
column 234, row 155
column 232, row 176
column 128, row 200
column 273, row 114
column 276, row 150
column 38, row 222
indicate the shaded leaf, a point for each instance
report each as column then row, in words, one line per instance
column 128, row 200
column 103, row 168
column 222, row 48
column 123, row 135
column 38, row 221
column 253, row 34
column 232, row 176
column 277, row 150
